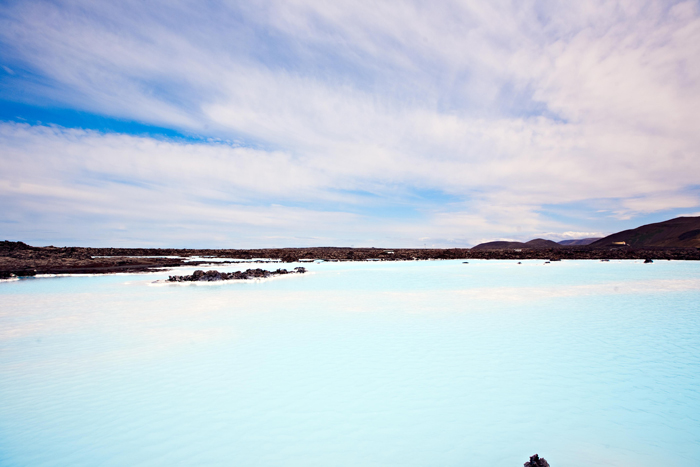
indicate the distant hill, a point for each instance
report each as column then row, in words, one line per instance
column 537, row 244
column 541, row 243
column 7, row 246
column 579, row 241
column 681, row 232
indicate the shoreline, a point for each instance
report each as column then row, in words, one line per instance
column 20, row 260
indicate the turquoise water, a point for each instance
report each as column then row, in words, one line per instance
column 433, row 363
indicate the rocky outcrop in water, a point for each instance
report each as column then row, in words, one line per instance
column 214, row 276
column 536, row 461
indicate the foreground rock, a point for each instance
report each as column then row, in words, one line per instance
column 536, row 461
column 214, row 276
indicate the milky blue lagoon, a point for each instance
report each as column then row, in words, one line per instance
column 434, row 363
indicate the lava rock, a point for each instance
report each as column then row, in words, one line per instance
column 214, row 276
column 536, row 461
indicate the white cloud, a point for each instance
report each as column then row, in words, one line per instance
column 576, row 235
column 658, row 202
column 504, row 106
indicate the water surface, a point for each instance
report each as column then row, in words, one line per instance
column 373, row 364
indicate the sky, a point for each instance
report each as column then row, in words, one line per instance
column 292, row 123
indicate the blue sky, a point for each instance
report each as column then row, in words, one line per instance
column 298, row 123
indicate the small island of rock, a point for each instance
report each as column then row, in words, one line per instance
column 212, row 276
column 536, row 461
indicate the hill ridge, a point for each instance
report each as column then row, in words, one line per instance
column 679, row 232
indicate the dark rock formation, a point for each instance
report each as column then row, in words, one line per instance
column 536, row 461
column 214, row 276
column 17, row 273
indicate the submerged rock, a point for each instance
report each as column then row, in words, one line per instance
column 213, row 276
column 536, row 461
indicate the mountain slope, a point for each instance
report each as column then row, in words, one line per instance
column 537, row 244
column 579, row 241
column 681, row 232
column 541, row 243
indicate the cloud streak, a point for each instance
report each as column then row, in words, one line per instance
column 507, row 113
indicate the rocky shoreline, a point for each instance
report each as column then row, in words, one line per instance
column 248, row 274
column 18, row 259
